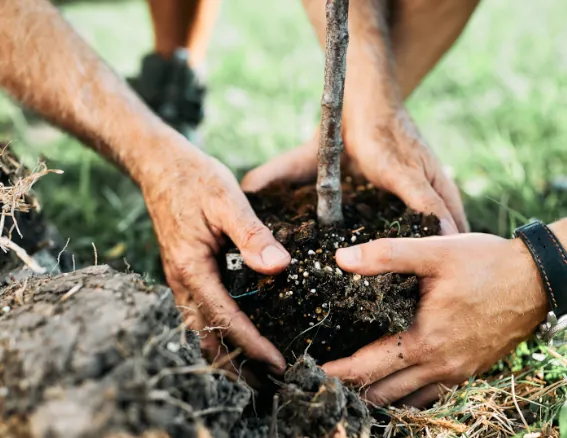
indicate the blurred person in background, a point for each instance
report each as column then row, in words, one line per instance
column 171, row 79
column 481, row 294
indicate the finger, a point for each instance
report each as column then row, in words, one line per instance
column 223, row 314
column 449, row 192
column 259, row 249
column 398, row 385
column 213, row 348
column 403, row 256
column 424, row 397
column 420, row 196
column 374, row 362
column 296, row 166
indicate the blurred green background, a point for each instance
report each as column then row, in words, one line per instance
column 494, row 109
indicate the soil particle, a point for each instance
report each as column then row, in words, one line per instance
column 313, row 305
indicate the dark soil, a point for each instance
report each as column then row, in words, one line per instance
column 95, row 353
column 313, row 305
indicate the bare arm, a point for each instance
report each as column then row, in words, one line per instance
column 370, row 64
column 192, row 199
column 48, row 67
column 408, row 36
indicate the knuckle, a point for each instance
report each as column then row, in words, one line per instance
column 376, row 397
column 353, row 375
column 452, row 369
column 251, row 232
column 220, row 321
column 383, row 252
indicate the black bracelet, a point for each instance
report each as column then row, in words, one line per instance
column 551, row 261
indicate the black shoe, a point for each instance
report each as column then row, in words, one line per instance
column 172, row 90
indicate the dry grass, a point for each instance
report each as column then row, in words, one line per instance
column 495, row 407
column 16, row 183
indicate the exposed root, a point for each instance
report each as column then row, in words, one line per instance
column 7, row 244
column 15, row 195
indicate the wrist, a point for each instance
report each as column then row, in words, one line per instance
column 545, row 245
column 530, row 286
column 371, row 90
column 148, row 152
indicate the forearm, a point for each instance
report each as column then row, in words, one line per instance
column 370, row 66
column 50, row 69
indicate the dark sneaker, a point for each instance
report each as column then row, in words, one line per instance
column 172, row 90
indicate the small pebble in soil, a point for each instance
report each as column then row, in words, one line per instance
column 6, row 309
column 173, row 347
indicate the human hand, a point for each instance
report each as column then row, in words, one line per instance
column 390, row 154
column 480, row 296
column 298, row 165
column 193, row 201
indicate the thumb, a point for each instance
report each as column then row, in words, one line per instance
column 402, row 256
column 259, row 249
column 297, row 165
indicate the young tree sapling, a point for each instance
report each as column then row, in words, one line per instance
column 329, row 194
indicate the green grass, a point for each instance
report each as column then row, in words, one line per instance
column 494, row 109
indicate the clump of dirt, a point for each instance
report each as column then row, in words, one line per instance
column 314, row 305
column 330, row 407
column 95, row 353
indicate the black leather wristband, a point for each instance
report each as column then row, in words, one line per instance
column 551, row 261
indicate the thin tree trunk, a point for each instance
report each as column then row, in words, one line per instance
column 329, row 206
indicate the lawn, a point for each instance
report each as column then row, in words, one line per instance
column 494, row 109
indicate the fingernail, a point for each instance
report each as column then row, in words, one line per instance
column 349, row 256
column 277, row 370
column 274, row 256
column 447, row 227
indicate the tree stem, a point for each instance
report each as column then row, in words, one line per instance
column 329, row 194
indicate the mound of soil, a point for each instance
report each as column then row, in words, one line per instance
column 314, row 306
column 95, row 353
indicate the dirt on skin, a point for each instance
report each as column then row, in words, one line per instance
column 314, row 306
column 96, row 353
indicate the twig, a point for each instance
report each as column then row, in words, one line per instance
column 19, row 294
column 273, row 432
column 72, row 292
column 59, row 255
column 557, row 356
column 329, row 204
column 516, row 402
column 95, row 254
column 22, row 255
